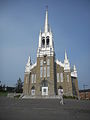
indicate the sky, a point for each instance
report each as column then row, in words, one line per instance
column 20, row 24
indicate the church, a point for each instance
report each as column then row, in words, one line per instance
column 43, row 78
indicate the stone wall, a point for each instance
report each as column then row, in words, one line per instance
column 75, row 86
column 66, row 85
column 69, row 86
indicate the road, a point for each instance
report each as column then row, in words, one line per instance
column 43, row 109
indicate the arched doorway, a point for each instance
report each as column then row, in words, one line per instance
column 44, row 84
column 33, row 90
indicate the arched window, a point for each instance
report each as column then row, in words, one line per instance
column 61, row 76
column 67, row 78
column 47, row 41
column 43, row 42
column 44, row 83
column 33, row 87
column 57, row 77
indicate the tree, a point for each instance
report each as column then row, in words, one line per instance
column 19, row 86
column 0, row 86
column 3, row 88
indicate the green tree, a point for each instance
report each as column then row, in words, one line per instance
column 3, row 88
column 19, row 86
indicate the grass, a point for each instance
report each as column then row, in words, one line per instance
column 3, row 93
column 70, row 97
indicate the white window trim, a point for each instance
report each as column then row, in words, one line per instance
column 41, row 62
column 61, row 76
column 57, row 77
column 41, row 72
column 44, row 93
column 48, row 61
column 44, row 71
column 34, row 78
column 67, row 78
column 26, row 80
column 48, row 71
column 33, row 92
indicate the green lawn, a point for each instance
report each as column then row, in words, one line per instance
column 3, row 93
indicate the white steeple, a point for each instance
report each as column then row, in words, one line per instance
column 40, row 37
column 74, row 72
column 46, row 27
column 28, row 65
column 66, row 63
column 66, row 56
column 74, row 68
column 45, row 46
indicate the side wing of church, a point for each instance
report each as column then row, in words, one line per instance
column 48, row 74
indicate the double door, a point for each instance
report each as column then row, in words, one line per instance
column 44, row 91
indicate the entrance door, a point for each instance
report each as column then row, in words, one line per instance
column 44, row 91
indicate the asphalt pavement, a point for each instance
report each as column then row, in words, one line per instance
column 43, row 109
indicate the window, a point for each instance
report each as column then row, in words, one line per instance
column 33, row 78
column 26, row 80
column 44, row 90
column 43, row 42
column 44, row 71
column 41, row 62
column 33, row 92
column 67, row 78
column 48, row 71
column 44, row 83
column 57, row 77
column 41, row 71
column 45, row 59
column 47, row 41
column 48, row 61
column 61, row 76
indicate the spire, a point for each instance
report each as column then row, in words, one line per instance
column 29, row 61
column 46, row 22
column 74, row 68
column 40, row 31
column 46, row 45
column 65, row 55
column 28, row 65
column 50, row 30
column 40, row 38
column 74, row 72
column 66, row 63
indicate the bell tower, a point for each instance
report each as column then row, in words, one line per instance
column 45, row 60
column 45, row 46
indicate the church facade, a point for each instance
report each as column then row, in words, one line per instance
column 48, row 74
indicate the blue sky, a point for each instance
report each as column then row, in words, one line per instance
column 20, row 23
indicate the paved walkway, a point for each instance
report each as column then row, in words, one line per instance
column 43, row 109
